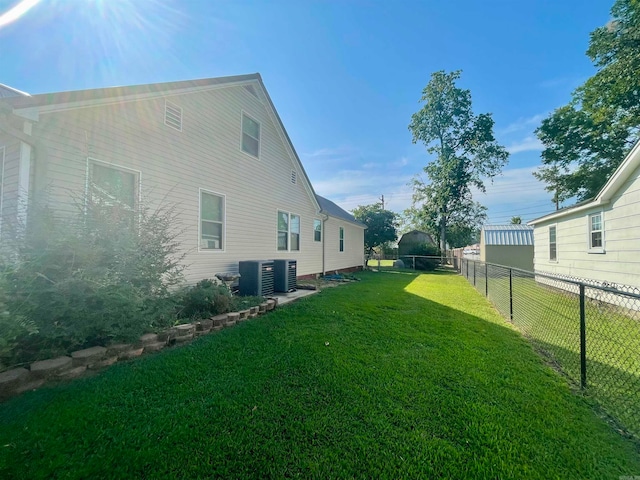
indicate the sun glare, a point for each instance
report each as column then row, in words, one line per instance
column 16, row 12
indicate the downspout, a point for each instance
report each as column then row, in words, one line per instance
column 324, row 219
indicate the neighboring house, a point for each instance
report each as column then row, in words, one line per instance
column 216, row 148
column 413, row 238
column 508, row 245
column 597, row 240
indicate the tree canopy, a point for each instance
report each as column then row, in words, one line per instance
column 587, row 139
column 381, row 225
column 466, row 153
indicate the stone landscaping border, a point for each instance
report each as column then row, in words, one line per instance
column 64, row 368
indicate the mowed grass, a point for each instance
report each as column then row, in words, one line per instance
column 550, row 318
column 397, row 376
column 383, row 263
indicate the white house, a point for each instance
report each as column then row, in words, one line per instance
column 598, row 240
column 216, row 148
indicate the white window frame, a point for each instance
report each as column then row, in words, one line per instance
column 317, row 221
column 590, row 247
column 114, row 166
column 245, row 114
column 168, row 104
column 289, row 232
column 555, row 227
column 341, row 239
column 224, row 221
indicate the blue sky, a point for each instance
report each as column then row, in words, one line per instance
column 345, row 76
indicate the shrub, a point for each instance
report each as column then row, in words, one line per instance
column 204, row 299
column 422, row 250
column 105, row 274
column 244, row 302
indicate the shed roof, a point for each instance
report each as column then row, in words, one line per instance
column 507, row 235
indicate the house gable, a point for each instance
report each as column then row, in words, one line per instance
column 176, row 165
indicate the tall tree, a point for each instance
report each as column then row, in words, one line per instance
column 465, row 150
column 587, row 139
column 516, row 220
column 381, row 225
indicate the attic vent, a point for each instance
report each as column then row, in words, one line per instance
column 251, row 90
column 173, row 116
column 294, row 177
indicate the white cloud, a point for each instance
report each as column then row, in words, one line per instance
column 527, row 144
column 515, row 193
column 526, row 123
column 402, row 162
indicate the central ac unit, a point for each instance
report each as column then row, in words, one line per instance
column 286, row 272
column 256, row 277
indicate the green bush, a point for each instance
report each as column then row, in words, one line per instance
column 244, row 302
column 421, row 250
column 204, row 299
column 103, row 275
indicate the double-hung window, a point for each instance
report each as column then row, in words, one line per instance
column 211, row 221
column 595, row 232
column 341, row 239
column 553, row 252
column 317, row 230
column 114, row 188
column 250, row 136
column 288, row 231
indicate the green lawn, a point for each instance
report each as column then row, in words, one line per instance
column 383, row 263
column 397, row 376
column 550, row 318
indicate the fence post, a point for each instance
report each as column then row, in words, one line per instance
column 486, row 279
column 583, row 340
column 474, row 273
column 511, row 295
column 414, row 262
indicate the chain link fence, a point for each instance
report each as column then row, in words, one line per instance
column 588, row 331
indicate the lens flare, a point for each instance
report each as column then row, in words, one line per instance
column 16, row 12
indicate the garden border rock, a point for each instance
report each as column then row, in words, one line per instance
column 80, row 362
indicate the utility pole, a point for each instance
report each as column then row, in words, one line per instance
column 382, row 200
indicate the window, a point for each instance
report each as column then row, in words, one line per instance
column 317, row 231
column 250, row 136
column 295, row 232
column 553, row 253
column 173, row 116
column 211, row 221
column 595, row 231
column 341, row 239
column 288, row 231
column 113, row 186
column 283, row 230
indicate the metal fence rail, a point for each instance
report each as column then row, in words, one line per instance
column 589, row 332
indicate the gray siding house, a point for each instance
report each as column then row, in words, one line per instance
column 598, row 240
column 215, row 148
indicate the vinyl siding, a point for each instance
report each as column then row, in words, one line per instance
column 353, row 254
column 621, row 261
column 11, row 149
column 175, row 165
